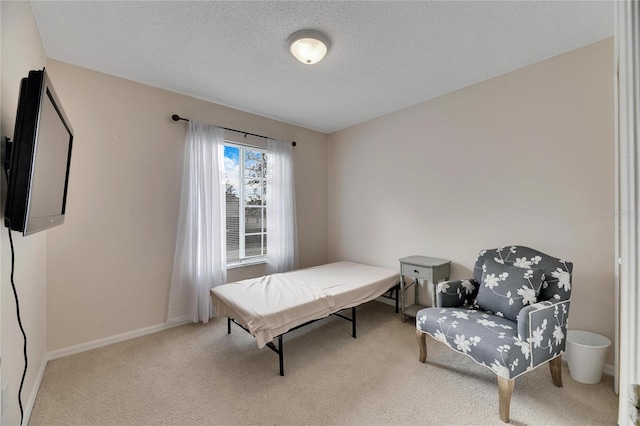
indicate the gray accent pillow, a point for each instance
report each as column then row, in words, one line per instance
column 505, row 290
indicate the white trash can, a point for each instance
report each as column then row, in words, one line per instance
column 585, row 354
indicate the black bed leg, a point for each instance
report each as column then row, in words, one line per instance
column 353, row 322
column 280, row 355
column 397, row 298
column 228, row 325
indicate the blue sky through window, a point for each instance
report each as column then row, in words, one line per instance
column 231, row 166
column 232, row 153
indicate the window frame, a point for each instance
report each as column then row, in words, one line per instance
column 244, row 260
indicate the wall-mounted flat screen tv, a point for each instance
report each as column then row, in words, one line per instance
column 40, row 158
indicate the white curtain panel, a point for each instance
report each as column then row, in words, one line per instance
column 627, row 67
column 282, row 245
column 200, row 258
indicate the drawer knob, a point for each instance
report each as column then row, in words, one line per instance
column 415, row 270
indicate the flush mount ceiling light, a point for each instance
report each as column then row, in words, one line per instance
column 308, row 46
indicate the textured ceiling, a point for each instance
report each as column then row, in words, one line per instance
column 384, row 56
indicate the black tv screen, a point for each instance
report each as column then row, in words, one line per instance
column 40, row 158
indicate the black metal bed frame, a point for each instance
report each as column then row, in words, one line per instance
column 279, row 349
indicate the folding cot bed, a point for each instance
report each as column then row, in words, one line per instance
column 270, row 306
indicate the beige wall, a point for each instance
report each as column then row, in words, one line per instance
column 21, row 51
column 525, row 158
column 109, row 266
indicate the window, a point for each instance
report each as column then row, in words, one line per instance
column 246, row 185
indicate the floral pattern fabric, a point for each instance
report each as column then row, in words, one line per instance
column 506, row 289
column 455, row 294
column 508, row 347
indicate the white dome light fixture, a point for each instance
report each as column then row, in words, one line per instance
column 308, row 46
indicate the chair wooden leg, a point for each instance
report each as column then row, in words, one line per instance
column 505, row 389
column 422, row 344
column 556, row 370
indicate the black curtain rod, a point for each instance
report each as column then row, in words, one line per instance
column 176, row 117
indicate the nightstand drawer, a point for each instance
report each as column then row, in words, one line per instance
column 417, row 272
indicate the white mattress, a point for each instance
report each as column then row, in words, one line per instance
column 273, row 304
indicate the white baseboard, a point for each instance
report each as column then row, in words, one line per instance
column 88, row 346
column 59, row 353
column 385, row 300
column 82, row 347
column 34, row 392
column 609, row 370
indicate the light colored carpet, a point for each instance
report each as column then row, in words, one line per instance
column 199, row 375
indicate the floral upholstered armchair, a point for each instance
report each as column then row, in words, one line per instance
column 510, row 317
